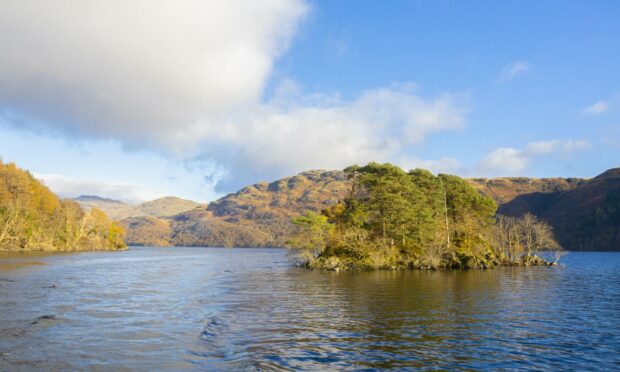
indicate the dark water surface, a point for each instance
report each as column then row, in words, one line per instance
column 222, row 309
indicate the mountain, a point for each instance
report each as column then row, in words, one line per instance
column 505, row 189
column 163, row 207
column 508, row 191
column 585, row 213
column 586, row 217
column 118, row 210
column 256, row 216
column 96, row 199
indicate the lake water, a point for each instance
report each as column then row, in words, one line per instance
column 222, row 309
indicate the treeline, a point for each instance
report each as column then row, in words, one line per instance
column 32, row 218
column 396, row 219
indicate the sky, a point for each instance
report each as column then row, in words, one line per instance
column 137, row 99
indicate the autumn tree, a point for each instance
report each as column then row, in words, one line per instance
column 34, row 218
column 524, row 238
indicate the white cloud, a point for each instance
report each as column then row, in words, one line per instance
column 514, row 69
column 596, row 108
column 504, row 161
column 68, row 187
column 542, row 147
column 188, row 77
column 508, row 161
column 571, row 145
column 328, row 132
column 142, row 71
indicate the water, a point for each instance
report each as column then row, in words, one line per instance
column 222, row 309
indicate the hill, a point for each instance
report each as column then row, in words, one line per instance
column 508, row 191
column 118, row 210
column 32, row 218
column 163, row 207
column 586, row 217
column 505, row 189
column 151, row 231
column 583, row 213
column 256, row 216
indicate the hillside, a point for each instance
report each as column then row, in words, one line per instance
column 32, row 218
column 256, row 216
column 586, row 217
column 163, row 207
column 507, row 192
column 582, row 212
column 150, row 231
column 505, row 189
column 118, row 210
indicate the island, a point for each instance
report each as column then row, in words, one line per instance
column 392, row 219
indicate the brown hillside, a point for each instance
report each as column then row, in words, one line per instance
column 584, row 213
column 588, row 217
column 255, row 216
column 505, row 190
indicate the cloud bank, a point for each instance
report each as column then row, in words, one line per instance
column 188, row 78
column 327, row 132
column 143, row 71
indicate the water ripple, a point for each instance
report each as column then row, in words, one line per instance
column 240, row 309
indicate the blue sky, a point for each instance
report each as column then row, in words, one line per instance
column 198, row 99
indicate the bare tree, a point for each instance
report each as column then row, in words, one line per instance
column 525, row 237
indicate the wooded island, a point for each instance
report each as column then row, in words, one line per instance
column 392, row 219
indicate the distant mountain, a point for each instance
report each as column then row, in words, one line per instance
column 96, row 199
column 118, row 210
column 111, row 207
column 163, row 207
column 585, row 213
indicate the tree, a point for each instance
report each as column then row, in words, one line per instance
column 33, row 218
column 524, row 238
column 312, row 235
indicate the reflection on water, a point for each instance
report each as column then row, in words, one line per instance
column 194, row 308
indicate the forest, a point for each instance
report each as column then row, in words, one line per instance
column 392, row 219
column 32, row 218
